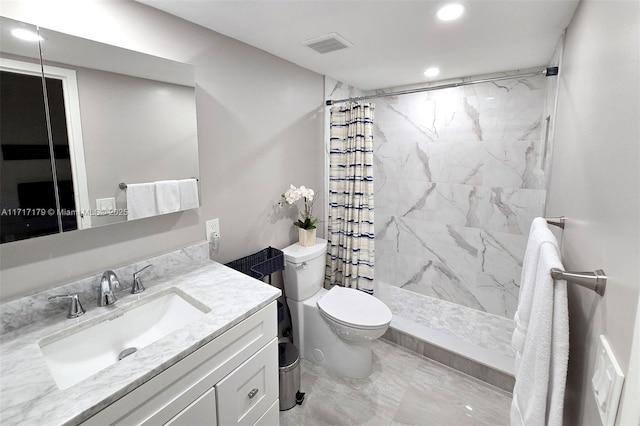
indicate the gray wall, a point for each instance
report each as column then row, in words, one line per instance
column 260, row 123
column 595, row 183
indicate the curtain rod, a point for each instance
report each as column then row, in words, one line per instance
column 549, row 71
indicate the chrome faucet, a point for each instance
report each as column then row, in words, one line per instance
column 137, row 286
column 108, row 284
column 75, row 308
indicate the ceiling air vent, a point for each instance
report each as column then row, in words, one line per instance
column 328, row 43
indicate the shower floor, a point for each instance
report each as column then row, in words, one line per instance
column 472, row 341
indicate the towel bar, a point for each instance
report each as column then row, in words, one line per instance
column 596, row 281
column 556, row 221
column 123, row 185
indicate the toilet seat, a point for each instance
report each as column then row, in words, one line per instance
column 354, row 308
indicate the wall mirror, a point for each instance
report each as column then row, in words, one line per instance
column 78, row 119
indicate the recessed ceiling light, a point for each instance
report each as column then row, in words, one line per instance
column 24, row 34
column 431, row 72
column 450, row 12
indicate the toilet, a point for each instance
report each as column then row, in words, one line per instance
column 330, row 327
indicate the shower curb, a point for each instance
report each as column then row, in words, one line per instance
column 451, row 359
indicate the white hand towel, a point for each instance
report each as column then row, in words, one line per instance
column 167, row 196
column 538, row 235
column 188, row 194
column 538, row 395
column 141, row 200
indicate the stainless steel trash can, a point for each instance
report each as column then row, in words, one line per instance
column 289, row 376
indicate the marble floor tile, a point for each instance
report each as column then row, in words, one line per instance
column 439, row 396
column 403, row 387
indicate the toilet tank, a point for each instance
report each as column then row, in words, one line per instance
column 304, row 269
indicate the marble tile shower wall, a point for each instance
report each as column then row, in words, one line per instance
column 458, row 178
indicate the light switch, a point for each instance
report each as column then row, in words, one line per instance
column 607, row 383
column 105, row 205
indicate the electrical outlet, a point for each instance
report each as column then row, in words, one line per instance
column 607, row 383
column 105, row 205
column 212, row 229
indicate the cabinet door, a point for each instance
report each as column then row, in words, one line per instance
column 201, row 412
column 250, row 390
column 271, row 417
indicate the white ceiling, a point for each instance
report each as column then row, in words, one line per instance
column 394, row 40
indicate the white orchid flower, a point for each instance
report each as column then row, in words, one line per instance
column 293, row 194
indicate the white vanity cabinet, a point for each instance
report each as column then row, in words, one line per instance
column 247, row 393
column 202, row 411
column 232, row 380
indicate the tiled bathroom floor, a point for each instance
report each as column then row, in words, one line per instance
column 404, row 389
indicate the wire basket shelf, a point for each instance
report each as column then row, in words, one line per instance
column 260, row 264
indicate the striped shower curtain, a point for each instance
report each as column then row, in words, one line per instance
column 350, row 255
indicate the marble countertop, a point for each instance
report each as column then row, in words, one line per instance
column 29, row 394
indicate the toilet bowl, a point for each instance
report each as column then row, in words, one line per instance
column 330, row 327
column 354, row 315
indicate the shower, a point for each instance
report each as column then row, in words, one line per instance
column 459, row 174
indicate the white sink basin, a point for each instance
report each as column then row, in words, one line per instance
column 80, row 352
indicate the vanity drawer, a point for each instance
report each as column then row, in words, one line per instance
column 201, row 412
column 250, row 390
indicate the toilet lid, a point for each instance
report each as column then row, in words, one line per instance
column 354, row 307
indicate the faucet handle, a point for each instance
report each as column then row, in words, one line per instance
column 137, row 286
column 75, row 307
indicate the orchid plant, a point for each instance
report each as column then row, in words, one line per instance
column 292, row 195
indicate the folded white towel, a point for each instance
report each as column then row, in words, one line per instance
column 141, row 200
column 188, row 194
column 167, row 196
column 538, row 395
